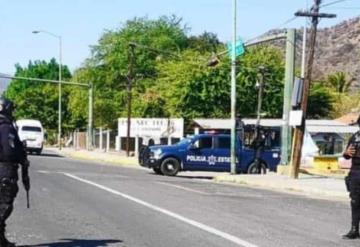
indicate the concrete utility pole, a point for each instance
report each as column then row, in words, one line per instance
column 299, row 131
column 288, row 85
column 90, row 116
column 130, row 78
column 233, row 94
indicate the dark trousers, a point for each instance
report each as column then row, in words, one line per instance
column 354, row 188
column 8, row 192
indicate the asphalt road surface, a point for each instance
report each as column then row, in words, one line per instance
column 87, row 204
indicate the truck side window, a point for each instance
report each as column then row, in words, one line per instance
column 223, row 142
column 204, row 142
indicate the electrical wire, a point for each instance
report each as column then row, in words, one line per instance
column 332, row 3
column 275, row 28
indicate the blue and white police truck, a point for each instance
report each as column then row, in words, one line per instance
column 207, row 152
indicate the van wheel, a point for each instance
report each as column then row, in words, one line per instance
column 253, row 169
column 170, row 167
column 157, row 171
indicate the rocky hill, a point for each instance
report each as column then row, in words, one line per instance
column 337, row 49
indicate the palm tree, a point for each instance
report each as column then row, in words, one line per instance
column 339, row 82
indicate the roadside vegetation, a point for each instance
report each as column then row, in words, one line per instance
column 171, row 80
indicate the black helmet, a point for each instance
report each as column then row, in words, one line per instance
column 6, row 107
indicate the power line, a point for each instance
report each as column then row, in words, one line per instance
column 332, row 3
column 345, row 8
column 276, row 27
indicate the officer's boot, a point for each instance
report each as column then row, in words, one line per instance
column 353, row 233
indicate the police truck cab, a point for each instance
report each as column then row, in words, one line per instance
column 206, row 152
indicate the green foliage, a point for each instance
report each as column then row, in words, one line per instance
column 171, row 79
column 248, row 75
column 190, row 89
column 320, row 102
column 108, row 68
column 39, row 100
column 339, row 82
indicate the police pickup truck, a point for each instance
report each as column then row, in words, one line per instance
column 206, row 152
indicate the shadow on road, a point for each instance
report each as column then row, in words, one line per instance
column 186, row 176
column 77, row 243
column 52, row 155
column 195, row 177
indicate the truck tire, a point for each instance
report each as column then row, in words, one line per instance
column 252, row 169
column 170, row 166
column 157, row 171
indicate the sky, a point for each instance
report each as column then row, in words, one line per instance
column 81, row 23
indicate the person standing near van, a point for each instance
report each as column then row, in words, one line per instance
column 12, row 153
column 352, row 152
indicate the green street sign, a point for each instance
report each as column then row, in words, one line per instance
column 239, row 48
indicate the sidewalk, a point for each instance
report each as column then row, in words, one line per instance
column 309, row 185
column 114, row 158
column 330, row 186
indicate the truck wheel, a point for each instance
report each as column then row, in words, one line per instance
column 157, row 171
column 170, row 167
column 252, row 169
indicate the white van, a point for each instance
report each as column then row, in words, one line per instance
column 32, row 132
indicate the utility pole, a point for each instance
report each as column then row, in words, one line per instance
column 233, row 94
column 299, row 131
column 288, row 86
column 90, row 116
column 130, row 78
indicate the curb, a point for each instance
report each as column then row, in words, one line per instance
column 119, row 161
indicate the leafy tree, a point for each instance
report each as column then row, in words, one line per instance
column 108, row 67
column 190, row 89
column 248, row 75
column 206, row 42
column 39, row 100
column 320, row 101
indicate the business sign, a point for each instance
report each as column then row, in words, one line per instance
column 152, row 127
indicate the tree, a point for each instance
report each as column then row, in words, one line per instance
column 206, row 42
column 39, row 100
column 248, row 74
column 108, row 67
column 320, row 101
column 190, row 89
column 339, row 82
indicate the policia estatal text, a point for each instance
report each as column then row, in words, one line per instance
column 12, row 153
column 353, row 183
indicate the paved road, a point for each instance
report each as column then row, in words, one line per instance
column 85, row 204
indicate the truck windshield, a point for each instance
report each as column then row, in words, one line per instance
column 31, row 128
column 184, row 141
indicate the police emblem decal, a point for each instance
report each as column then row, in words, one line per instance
column 212, row 160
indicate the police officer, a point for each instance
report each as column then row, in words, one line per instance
column 353, row 183
column 12, row 153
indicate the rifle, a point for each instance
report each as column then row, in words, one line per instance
column 26, row 180
column 25, row 175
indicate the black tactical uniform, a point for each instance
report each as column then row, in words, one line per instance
column 353, row 184
column 12, row 153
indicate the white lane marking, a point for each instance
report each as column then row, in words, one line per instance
column 199, row 225
column 89, row 174
column 184, row 188
column 44, row 172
